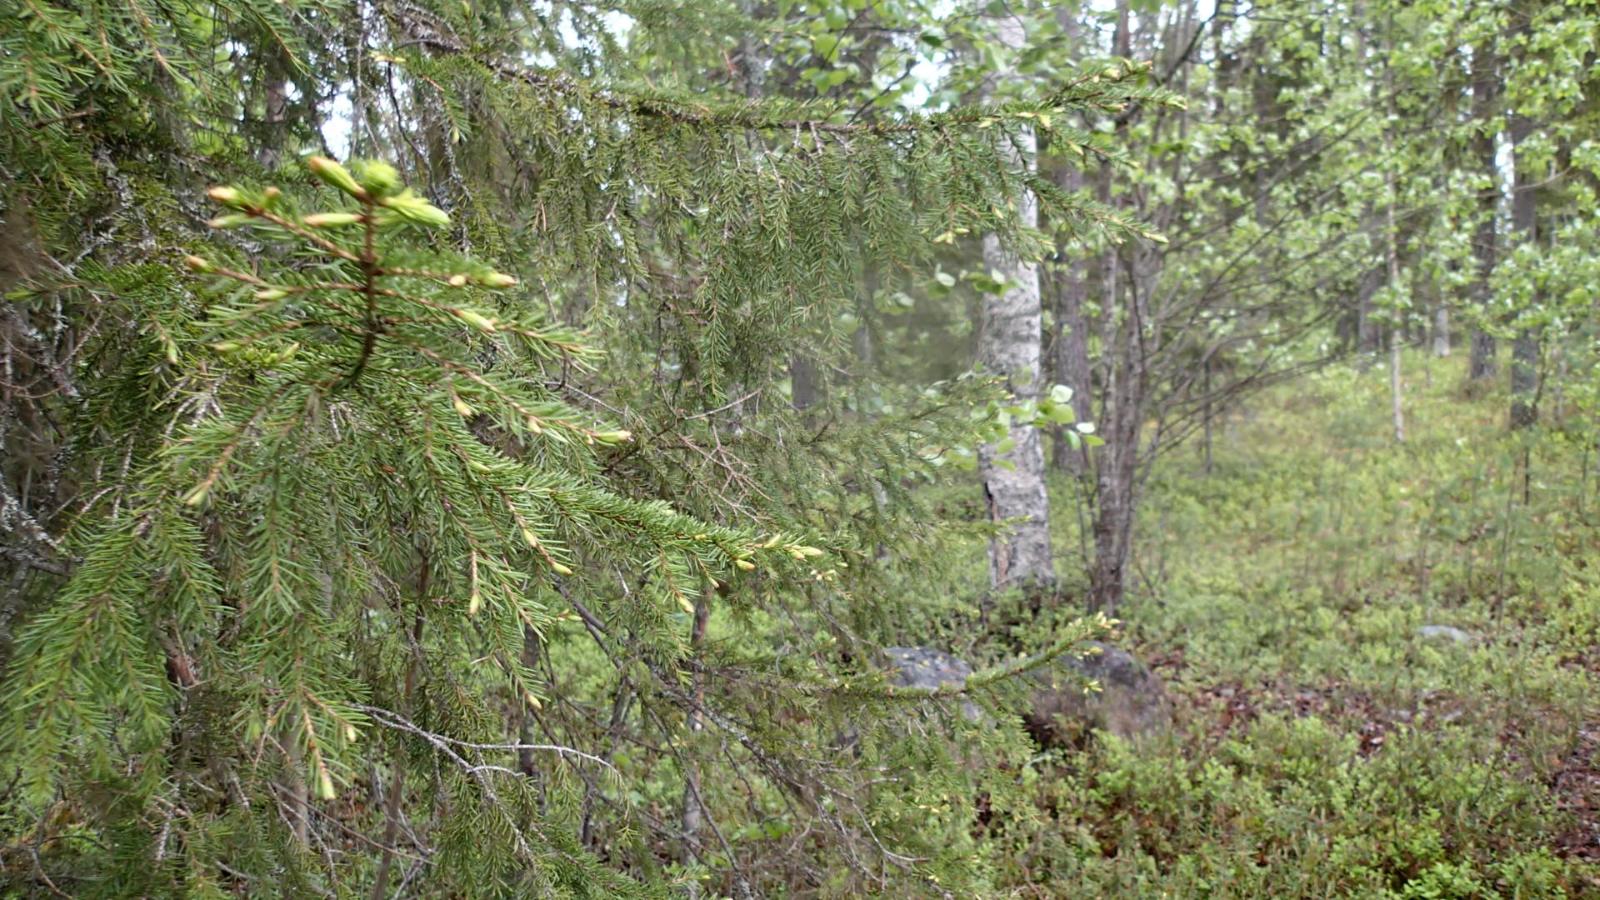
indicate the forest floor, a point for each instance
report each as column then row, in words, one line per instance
column 1385, row 657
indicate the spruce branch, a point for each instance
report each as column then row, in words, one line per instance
column 1114, row 89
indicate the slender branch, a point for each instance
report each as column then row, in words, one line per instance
column 394, row 720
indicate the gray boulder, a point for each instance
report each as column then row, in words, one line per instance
column 1449, row 632
column 1131, row 701
column 925, row 667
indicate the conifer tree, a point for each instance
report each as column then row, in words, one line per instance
column 350, row 561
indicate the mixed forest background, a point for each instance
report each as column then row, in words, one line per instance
column 507, row 448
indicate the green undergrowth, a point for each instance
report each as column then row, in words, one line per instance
column 1327, row 746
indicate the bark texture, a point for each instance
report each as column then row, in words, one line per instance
column 1122, row 415
column 1009, row 336
column 1069, row 345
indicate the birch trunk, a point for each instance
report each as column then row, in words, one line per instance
column 1009, row 344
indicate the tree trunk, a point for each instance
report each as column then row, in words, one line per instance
column 1009, row 335
column 1480, row 364
column 1072, row 361
column 1208, row 416
column 532, row 651
column 277, row 122
column 296, row 791
column 750, row 65
column 1121, row 414
column 1368, row 333
column 1525, row 222
column 1117, row 462
column 693, row 804
column 805, row 381
column 1392, row 258
column 1008, row 345
column 397, row 782
column 1396, row 388
column 1122, row 422
column 1070, row 344
column 274, row 130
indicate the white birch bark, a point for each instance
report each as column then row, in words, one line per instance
column 1009, row 335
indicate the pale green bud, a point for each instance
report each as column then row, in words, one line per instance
column 476, row 320
column 331, row 220
column 409, row 206
column 378, row 177
column 227, row 196
column 335, row 175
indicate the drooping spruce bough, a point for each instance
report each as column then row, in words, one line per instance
column 355, row 569
column 341, row 414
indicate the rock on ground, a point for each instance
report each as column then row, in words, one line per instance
column 1445, row 631
column 1131, row 701
column 925, row 667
